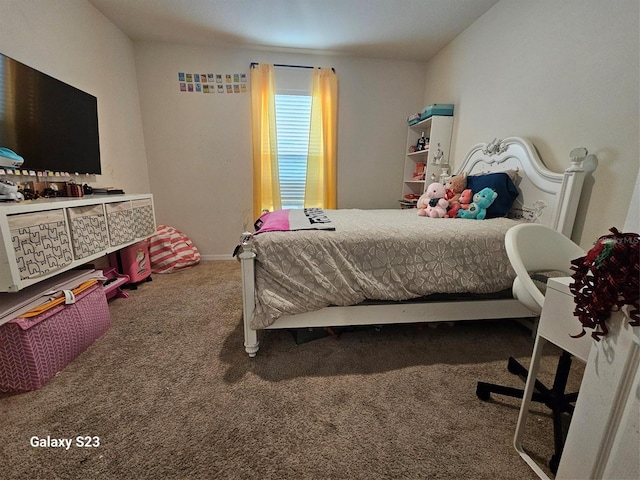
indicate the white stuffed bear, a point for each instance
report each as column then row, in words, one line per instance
column 9, row 191
column 432, row 203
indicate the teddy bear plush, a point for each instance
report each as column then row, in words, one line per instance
column 452, row 211
column 463, row 201
column 454, row 187
column 432, row 203
column 466, row 197
column 478, row 208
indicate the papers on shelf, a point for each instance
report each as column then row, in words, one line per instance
column 46, row 294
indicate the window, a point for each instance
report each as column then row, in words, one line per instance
column 294, row 137
column 293, row 117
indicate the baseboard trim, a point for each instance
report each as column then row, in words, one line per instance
column 216, row 257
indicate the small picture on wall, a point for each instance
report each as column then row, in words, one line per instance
column 183, row 87
column 189, row 77
column 218, row 78
column 228, row 78
column 243, row 77
column 220, row 88
column 210, row 77
column 181, row 76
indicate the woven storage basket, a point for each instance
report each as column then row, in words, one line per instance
column 33, row 350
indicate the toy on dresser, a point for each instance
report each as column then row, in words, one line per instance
column 9, row 192
column 432, row 203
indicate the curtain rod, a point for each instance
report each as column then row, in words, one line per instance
column 254, row 64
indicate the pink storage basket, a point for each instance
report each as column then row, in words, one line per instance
column 33, row 350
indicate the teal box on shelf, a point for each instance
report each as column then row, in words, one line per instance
column 443, row 109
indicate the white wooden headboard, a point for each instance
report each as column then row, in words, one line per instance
column 545, row 197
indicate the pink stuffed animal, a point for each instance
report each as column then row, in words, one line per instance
column 466, row 197
column 432, row 203
column 462, row 203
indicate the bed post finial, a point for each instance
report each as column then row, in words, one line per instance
column 577, row 157
column 582, row 161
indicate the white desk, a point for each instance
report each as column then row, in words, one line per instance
column 603, row 441
column 603, row 438
column 557, row 324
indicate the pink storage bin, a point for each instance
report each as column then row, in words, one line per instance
column 33, row 350
column 133, row 261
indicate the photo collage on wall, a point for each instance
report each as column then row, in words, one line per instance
column 212, row 82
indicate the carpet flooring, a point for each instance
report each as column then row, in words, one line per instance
column 169, row 393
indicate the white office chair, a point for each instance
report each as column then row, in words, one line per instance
column 537, row 253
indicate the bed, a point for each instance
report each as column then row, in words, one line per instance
column 375, row 267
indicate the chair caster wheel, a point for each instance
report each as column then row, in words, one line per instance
column 482, row 392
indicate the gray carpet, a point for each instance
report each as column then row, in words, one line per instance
column 171, row 394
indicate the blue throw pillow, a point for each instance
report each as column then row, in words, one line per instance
column 500, row 183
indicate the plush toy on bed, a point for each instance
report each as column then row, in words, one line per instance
column 432, row 203
column 481, row 201
column 454, row 187
column 463, row 201
column 466, row 197
column 452, row 212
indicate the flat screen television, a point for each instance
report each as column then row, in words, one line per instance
column 49, row 123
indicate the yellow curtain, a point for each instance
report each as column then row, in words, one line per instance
column 320, row 188
column 266, row 181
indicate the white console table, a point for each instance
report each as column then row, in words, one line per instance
column 42, row 238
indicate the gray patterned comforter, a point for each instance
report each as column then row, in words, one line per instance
column 377, row 255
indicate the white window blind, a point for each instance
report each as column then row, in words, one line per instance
column 293, row 117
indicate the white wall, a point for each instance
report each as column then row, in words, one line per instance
column 632, row 222
column 73, row 42
column 199, row 145
column 564, row 74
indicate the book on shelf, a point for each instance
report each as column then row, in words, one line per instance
column 107, row 191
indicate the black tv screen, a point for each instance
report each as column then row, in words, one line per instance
column 51, row 124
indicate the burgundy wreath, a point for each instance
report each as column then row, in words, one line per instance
column 605, row 279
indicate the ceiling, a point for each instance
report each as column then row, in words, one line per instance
column 400, row 29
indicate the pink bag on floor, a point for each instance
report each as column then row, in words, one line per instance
column 171, row 250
